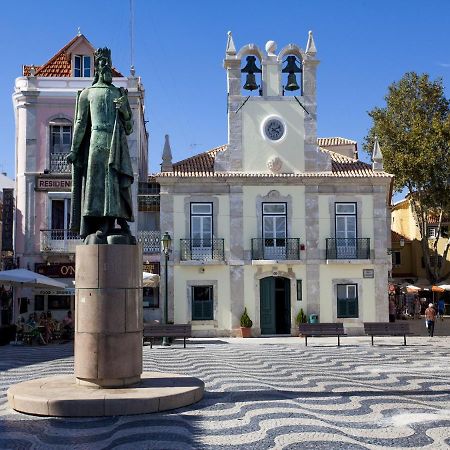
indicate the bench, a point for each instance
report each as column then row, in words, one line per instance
column 171, row 330
column 321, row 329
column 387, row 329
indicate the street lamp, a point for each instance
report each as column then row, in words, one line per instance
column 166, row 242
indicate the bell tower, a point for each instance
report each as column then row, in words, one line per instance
column 272, row 110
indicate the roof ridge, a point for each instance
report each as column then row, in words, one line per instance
column 347, row 140
column 58, row 53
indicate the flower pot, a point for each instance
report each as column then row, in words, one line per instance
column 246, row 332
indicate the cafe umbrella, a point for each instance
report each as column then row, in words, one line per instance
column 27, row 278
column 23, row 278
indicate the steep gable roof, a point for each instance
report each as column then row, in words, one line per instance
column 59, row 65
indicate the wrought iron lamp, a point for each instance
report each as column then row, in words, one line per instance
column 166, row 242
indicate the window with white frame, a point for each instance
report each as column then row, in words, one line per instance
column 345, row 230
column 59, row 217
column 201, row 225
column 202, row 303
column 60, row 136
column 347, row 300
column 82, row 66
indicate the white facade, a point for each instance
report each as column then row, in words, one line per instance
column 271, row 221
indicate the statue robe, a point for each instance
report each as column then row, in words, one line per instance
column 103, row 174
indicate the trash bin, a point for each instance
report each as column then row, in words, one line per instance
column 313, row 318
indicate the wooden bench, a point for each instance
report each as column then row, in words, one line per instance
column 171, row 330
column 387, row 329
column 321, row 329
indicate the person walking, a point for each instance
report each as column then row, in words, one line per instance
column 441, row 308
column 430, row 317
column 392, row 310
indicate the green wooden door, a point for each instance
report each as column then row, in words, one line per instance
column 267, row 305
column 286, row 327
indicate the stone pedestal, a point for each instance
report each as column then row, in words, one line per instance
column 108, row 348
column 108, row 315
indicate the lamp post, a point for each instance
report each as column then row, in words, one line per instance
column 166, row 242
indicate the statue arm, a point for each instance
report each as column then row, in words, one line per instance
column 79, row 129
column 125, row 112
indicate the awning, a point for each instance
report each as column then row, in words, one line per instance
column 27, row 278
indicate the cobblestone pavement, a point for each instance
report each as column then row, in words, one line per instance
column 267, row 393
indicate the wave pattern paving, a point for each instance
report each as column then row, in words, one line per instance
column 258, row 396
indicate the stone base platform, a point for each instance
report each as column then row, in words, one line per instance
column 61, row 396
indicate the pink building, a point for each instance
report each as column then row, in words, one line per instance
column 44, row 103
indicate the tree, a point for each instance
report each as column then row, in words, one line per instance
column 414, row 133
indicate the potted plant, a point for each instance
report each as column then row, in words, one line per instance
column 300, row 317
column 246, row 325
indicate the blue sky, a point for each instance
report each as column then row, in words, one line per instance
column 179, row 46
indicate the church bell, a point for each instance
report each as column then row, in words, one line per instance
column 291, row 69
column 250, row 69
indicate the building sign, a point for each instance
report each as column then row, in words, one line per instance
column 151, row 267
column 66, row 291
column 368, row 273
column 45, row 183
column 56, row 270
column 8, row 220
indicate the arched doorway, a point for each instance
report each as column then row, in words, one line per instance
column 275, row 307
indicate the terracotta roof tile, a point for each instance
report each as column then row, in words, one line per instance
column 395, row 237
column 331, row 141
column 59, row 65
column 202, row 165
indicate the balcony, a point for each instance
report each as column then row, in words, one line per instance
column 150, row 240
column 59, row 241
column 348, row 248
column 58, row 163
column 202, row 249
column 148, row 197
column 276, row 249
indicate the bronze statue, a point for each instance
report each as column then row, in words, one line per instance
column 102, row 173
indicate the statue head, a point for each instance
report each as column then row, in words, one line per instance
column 102, row 65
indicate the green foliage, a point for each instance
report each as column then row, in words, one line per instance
column 301, row 317
column 414, row 135
column 246, row 322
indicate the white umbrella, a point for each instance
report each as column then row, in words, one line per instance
column 27, row 278
column 150, row 279
column 446, row 287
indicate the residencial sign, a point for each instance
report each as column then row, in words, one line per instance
column 53, row 184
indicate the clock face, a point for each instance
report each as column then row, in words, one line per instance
column 274, row 129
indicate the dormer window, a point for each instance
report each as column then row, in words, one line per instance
column 82, row 67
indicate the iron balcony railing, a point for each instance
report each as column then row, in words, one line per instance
column 348, row 248
column 202, row 249
column 150, row 240
column 59, row 241
column 148, row 196
column 58, row 163
column 276, row 248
